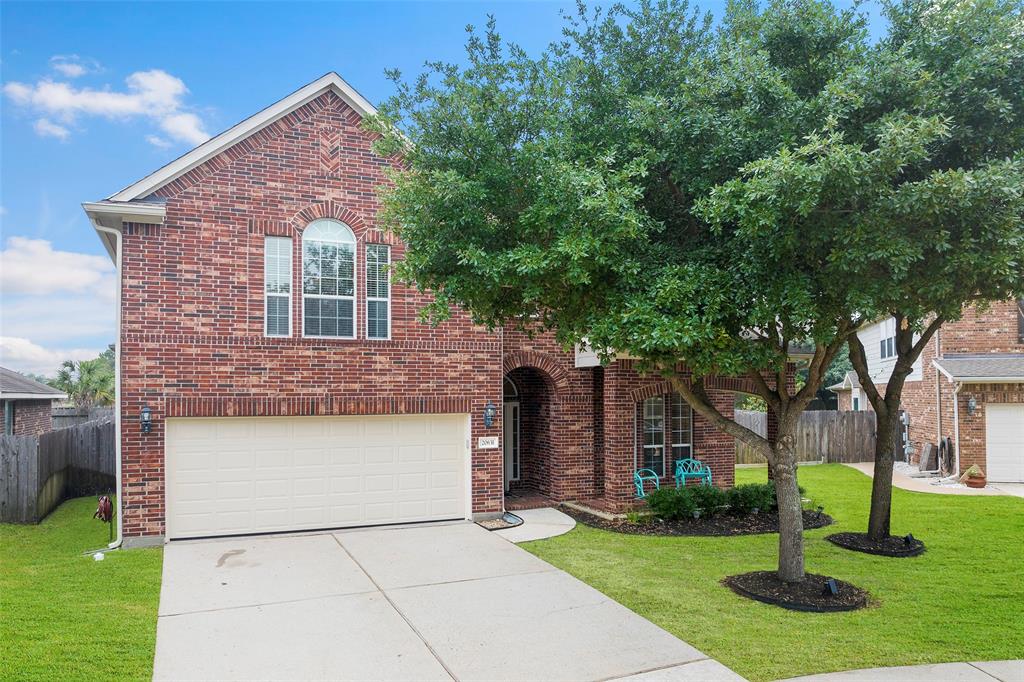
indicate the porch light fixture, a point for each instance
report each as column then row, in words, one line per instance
column 146, row 419
column 490, row 412
column 972, row 406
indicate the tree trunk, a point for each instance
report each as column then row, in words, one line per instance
column 881, row 484
column 791, row 520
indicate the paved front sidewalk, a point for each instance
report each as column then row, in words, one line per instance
column 538, row 524
column 436, row 602
column 924, row 485
column 984, row 671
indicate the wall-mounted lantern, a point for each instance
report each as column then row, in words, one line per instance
column 490, row 412
column 146, row 419
column 972, row 406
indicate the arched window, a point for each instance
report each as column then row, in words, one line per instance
column 328, row 280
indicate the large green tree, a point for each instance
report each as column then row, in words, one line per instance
column 88, row 383
column 658, row 186
column 956, row 219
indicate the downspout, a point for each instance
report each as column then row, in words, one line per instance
column 118, row 538
column 956, row 426
column 938, row 388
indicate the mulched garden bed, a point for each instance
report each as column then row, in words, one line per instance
column 811, row 594
column 891, row 546
column 720, row 524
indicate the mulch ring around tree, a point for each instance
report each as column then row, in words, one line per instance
column 718, row 525
column 891, row 546
column 811, row 594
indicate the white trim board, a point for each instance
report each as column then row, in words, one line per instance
column 215, row 145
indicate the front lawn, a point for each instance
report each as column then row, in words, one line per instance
column 960, row 601
column 64, row 616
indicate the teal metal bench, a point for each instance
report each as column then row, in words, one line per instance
column 641, row 476
column 692, row 468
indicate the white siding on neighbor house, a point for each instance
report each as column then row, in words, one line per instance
column 881, row 369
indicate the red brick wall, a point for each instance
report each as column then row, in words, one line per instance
column 192, row 309
column 32, row 417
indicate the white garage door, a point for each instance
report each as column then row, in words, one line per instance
column 256, row 475
column 1004, row 441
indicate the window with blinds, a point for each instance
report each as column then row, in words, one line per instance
column 328, row 280
column 378, row 291
column 277, row 286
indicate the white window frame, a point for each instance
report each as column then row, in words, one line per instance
column 887, row 339
column 642, row 464
column 355, row 279
column 674, row 400
column 378, row 299
column 267, row 296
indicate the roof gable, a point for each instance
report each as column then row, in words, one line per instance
column 330, row 82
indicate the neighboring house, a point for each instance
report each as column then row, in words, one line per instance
column 27, row 404
column 289, row 382
column 967, row 387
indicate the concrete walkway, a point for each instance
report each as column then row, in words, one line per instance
column 925, row 485
column 538, row 524
column 426, row 602
column 986, row 671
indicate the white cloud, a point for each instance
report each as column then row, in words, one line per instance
column 24, row 356
column 157, row 141
column 72, row 66
column 154, row 94
column 32, row 266
column 44, row 127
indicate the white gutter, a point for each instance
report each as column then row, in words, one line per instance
column 33, row 396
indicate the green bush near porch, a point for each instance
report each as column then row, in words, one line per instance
column 64, row 616
column 959, row 601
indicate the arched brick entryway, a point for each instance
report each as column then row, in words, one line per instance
column 531, row 467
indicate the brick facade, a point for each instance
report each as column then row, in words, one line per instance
column 32, row 417
column 193, row 343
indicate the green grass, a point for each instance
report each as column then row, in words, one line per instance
column 959, row 601
column 64, row 616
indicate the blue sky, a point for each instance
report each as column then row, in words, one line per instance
column 98, row 95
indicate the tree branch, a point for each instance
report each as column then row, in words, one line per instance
column 860, row 364
column 698, row 399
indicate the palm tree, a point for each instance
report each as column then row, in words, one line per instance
column 88, row 383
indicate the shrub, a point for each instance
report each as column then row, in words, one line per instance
column 744, row 499
column 671, row 504
column 708, row 499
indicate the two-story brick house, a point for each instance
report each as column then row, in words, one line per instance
column 287, row 382
column 966, row 389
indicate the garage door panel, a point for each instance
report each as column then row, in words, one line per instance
column 1004, row 442
column 250, row 475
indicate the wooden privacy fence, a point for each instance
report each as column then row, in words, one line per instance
column 821, row 436
column 64, row 417
column 39, row 472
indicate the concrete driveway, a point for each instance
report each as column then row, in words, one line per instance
column 437, row 602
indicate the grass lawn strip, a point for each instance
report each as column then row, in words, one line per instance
column 64, row 616
column 959, row 601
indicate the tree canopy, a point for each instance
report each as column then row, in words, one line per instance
column 708, row 195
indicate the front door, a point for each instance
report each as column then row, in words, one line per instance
column 511, row 442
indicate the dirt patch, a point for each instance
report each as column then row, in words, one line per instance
column 811, row 594
column 718, row 525
column 891, row 546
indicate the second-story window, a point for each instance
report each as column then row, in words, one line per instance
column 277, row 286
column 887, row 342
column 328, row 280
column 378, row 291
